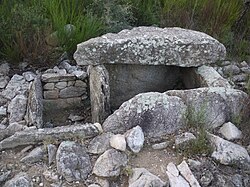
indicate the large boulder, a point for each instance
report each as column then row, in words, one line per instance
column 156, row 113
column 73, row 162
column 213, row 106
column 152, row 46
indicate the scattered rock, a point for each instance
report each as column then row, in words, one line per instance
column 17, row 108
column 174, row 178
column 80, row 74
column 73, row 163
column 51, row 153
column 151, row 45
column 228, row 153
column 29, row 76
column 4, row 81
column 187, row 174
column 75, row 118
column 194, row 163
column 184, row 138
column 100, row 143
column 4, row 69
column 21, row 179
column 230, row 131
column 135, row 139
column 4, row 176
column 231, row 70
column 50, row 176
column 11, row 129
column 34, row 156
column 34, row 136
column 142, row 177
column 110, row 163
column 207, row 178
column 118, row 142
column 161, row 145
column 3, row 111
column 156, row 113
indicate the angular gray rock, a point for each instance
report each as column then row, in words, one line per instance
column 51, row 153
column 3, row 81
column 118, row 142
column 213, row 106
column 229, row 153
column 72, row 91
column 175, row 179
column 184, row 138
column 34, row 136
column 20, row 180
column 156, row 113
column 231, row 70
column 29, row 76
column 100, row 143
column 16, row 86
column 11, row 129
column 72, row 161
column 143, row 178
column 17, row 108
column 4, row 69
column 187, row 174
column 110, row 163
column 99, row 93
column 56, row 77
column 161, row 145
column 34, row 156
column 135, row 139
column 34, row 115
column 230, row 131
column 4, row 176
column 208, row 77
column 152, row 46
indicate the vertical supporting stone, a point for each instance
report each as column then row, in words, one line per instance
column 34, row 115
column 99, row 93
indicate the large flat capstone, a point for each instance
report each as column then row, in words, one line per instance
column 151, row 45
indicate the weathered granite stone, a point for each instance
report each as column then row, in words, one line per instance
column 51, row 153
column 51, row 94
column 4, row 176
column 100, row 143
column 231, row 70
column 184, row 138
column 80, row 74
column 151, row 45
column 175, row 179
column 228, row 153
column 135, row 139
column 11, row 129
column 29, row 76
column 17, row 108
column 3, row 111
column 161, row 145
column 187, row 174
column 34, row 156
column 230, row 131
column 4, row 81
column 142, row 177
column 110, row 163
column 80, row 83
column 34, row 115
column 99, row 93
column 56, row 77
column 4, row 69
column 16, row 86
column 215, row 105
column 73, row 163
column 240, row 78
column 49, row 86
column 118, row 142
column 72, row 91
column 61, row 85
column 211, row 78
column 3, row 100
column 34, row 136
column 20, row 180
column 156, row 113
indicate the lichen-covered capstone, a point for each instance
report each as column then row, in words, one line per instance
column 151, row 46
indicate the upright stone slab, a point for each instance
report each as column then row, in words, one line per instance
column 151, row 46
column 99, row 93
column 34, row 114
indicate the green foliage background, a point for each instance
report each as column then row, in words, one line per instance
column 24, row 25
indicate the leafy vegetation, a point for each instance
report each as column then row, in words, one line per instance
column 25, row 25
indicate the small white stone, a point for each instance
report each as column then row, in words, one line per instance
column 230, row 131
column 118, row 142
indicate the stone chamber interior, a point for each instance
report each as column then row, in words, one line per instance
column 128, row 80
